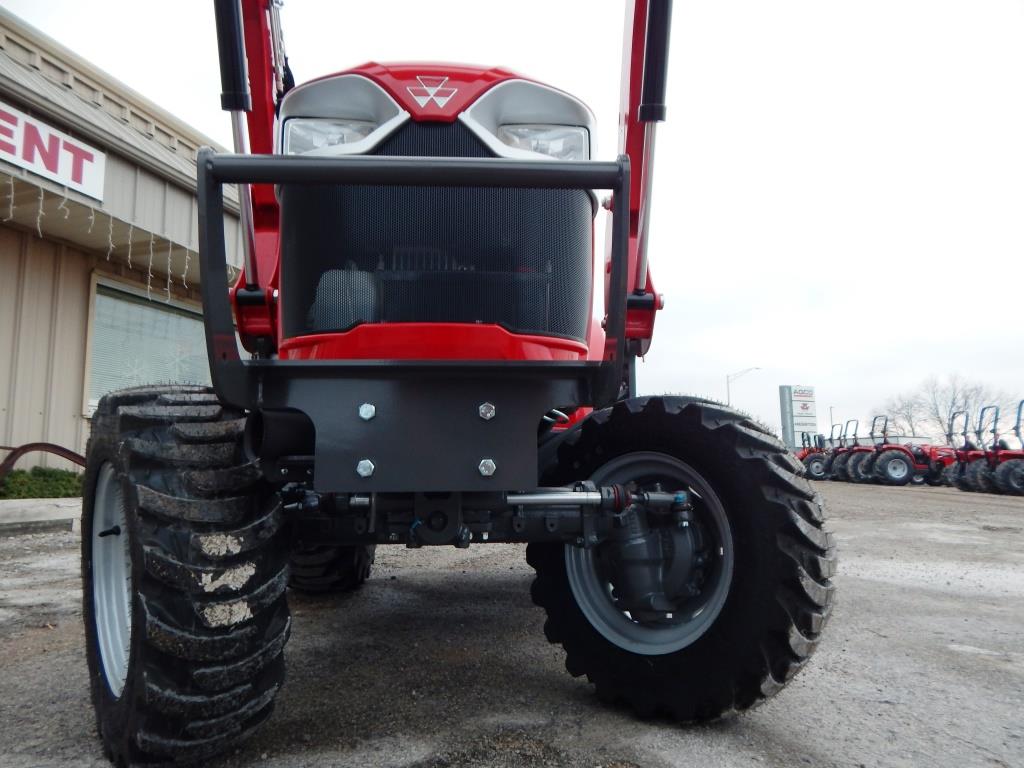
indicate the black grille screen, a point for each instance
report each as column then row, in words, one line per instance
column 520, row 258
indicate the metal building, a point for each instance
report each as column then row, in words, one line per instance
column 98, row 237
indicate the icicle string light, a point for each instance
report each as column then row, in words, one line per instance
column 92, row 219
column 184, row 272
column 168, row 286
column 110, row 236
column 10, row 200
column 149, row 270
column 64, row 205
column 131, row 231
column 39, row 216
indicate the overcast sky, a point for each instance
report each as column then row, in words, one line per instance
column 840, row 184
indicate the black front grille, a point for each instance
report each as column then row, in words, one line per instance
column 520, row 258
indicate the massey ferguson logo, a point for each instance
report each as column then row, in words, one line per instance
column 431, row 89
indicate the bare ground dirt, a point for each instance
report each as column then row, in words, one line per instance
column 440, row 661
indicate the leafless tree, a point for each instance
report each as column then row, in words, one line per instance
column 929, row 408
column 906, row 413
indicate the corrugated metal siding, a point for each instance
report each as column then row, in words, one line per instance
column 43, row 321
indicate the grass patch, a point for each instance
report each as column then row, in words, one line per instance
column 41, row 483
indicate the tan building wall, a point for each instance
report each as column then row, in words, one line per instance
column 44, row 310
column 56, row 243
column 47, row 291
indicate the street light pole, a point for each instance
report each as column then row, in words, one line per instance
column 731, row 377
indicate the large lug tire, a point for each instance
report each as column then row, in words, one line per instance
column 765, row 593
column 949, row 473
column 1009, row 477
column 960, row 479
column 860, row 467
column 829, row 459
column 184, row 573
column 936, row 476
column 324, row 569
column 894, row 468
column 979, row 477
column 839, row 467
column 814, row 466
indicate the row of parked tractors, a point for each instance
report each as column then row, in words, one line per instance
column 986, row 464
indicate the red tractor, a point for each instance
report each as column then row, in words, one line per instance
column 812, row 455
column 902, row 463
column 977, row 461
column 1000, row 467
column 416, row 308
column 841, row 455
column 861, row 459
column 1008, row 469
column 830, row 445
column 953, row 474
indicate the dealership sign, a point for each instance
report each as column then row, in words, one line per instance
column 33, row 145
column 799, row 413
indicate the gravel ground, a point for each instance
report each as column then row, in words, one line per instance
column 441, row 661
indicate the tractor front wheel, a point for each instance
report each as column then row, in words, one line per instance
column 184, row 572
column 746, row 589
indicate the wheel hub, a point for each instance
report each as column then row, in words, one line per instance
column 897, row 469
column 658, row 583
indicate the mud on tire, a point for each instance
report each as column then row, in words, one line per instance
column 200, row 665
column 780, row 593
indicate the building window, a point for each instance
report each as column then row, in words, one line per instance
column 135, row 341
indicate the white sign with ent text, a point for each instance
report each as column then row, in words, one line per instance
column 35, row 146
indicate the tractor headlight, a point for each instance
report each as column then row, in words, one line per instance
column 562, row 142
column 302, row 136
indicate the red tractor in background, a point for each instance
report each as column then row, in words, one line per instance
column 975, row 473
column 861, row 458
column 998, row 468
column 1008, row 463
column 416, row 305
column 903, row 463
column 953, row 473
column 812, row 455
column 841, row 455
column 892, row 463
column 831, row 444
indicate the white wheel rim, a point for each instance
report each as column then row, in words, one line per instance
column 111, row 579
column 897, row 469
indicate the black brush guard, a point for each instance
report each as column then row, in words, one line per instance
column 427, row 433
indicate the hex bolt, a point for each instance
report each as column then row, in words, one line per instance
column 367, row 411
column 487, row 411
column 364, row 468
column 487, row 467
